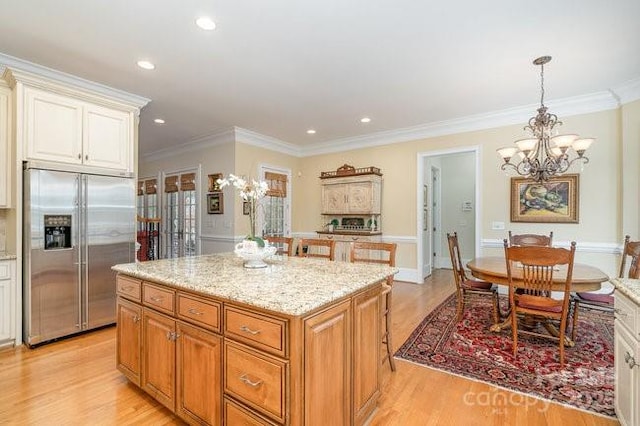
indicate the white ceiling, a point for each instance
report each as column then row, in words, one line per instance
column 279, row 67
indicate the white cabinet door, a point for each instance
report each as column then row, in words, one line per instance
column 360, row 198
column 627, row 380
column 5, row 170
column 334, row 199
column 107, row 141
column 7, row 283
column 53, row 127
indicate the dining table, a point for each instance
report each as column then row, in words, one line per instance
column 493, row 269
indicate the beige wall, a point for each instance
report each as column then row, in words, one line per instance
column 600, row 206
column 608, row 184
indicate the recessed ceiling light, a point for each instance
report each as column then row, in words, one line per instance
column 365, row 120
column 206, row 23
column 311, row 132
column 158, row 121
column 146, row 65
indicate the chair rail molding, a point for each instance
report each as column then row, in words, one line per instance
column 581, row 246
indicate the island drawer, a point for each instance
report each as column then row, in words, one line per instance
column 235, row 414
column 256, row 379
column 198, row 311
column 258, row 330
column 129, row 288
column 626, row 313
column 158, row 298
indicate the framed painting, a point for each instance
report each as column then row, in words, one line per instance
column 553, row 201
column 214, row 186
column 215, row 203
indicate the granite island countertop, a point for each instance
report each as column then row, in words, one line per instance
column 629, row 287
column 289, row 285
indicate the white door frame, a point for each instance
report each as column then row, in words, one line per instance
column 421, row 156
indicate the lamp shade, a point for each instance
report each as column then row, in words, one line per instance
column 581, row 145
column 564, row 141
column 507, row 152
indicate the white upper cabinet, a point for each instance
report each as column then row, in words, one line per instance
column 107, row 138
column 53, row 127
column 63, row 129
column 354, row 195
column 75, row 122
column 5, row 148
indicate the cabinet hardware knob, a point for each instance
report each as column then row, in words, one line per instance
column 86, row 157
column 136, row 319
column 193, row 311
column 248, row 330
column 244, row 379
column 169, row 335
column 79, row 156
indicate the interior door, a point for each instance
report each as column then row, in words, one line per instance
column 110, row 231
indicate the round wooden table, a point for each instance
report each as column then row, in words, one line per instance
column 494, row 270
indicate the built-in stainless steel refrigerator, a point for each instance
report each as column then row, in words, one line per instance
column 76, row 226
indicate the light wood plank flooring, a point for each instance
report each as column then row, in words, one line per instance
column 74, row 382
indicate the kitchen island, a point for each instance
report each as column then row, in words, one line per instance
column 296, row 343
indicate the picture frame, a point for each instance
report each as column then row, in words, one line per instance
column 215, row 203
column 213, row 182
column 246, row 208
column 552, row 201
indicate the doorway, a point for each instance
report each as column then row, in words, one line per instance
column 449, row 200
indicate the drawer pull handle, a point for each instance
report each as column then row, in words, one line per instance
column 156, row 298
column 620, row 312
column 244, row 379
column 193, row 311
column 248, row 330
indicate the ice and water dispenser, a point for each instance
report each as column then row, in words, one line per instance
column 57, row 232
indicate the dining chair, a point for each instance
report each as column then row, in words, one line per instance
column 605, row 301
column 466, row 287
column 383, row 253
column 315, row 247
column 284, row 244
column 537, row 265
column 530, row 239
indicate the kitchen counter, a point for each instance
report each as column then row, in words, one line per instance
column 291, row 286
column 629, row 287
column 217, row 343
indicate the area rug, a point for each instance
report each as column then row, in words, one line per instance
column 467, row 348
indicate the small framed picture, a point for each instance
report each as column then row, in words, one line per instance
column 214, row 186
column 215, row 203
column 246, row 208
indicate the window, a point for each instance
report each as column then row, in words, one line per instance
column 181, row 214
column 276, row 205
column 148, row 221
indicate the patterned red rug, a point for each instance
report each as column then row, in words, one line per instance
column 470, row 350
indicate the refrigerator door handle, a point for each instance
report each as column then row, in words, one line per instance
column 78, row 240
column 85, row 249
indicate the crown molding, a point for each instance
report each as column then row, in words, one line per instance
column 250, row 137
column 217, row 138
column 628, row 91
column 18, row 70
column 599, row 101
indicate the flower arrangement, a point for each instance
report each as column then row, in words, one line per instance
column 251, row 192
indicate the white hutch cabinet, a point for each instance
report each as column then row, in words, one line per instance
column 351, row 207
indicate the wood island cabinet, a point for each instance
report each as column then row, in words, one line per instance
column 214, row 361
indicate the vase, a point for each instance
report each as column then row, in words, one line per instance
column 253, row 254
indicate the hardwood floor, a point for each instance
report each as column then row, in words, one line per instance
column 74, row 382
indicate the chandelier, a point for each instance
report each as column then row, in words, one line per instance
column 545, row 154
